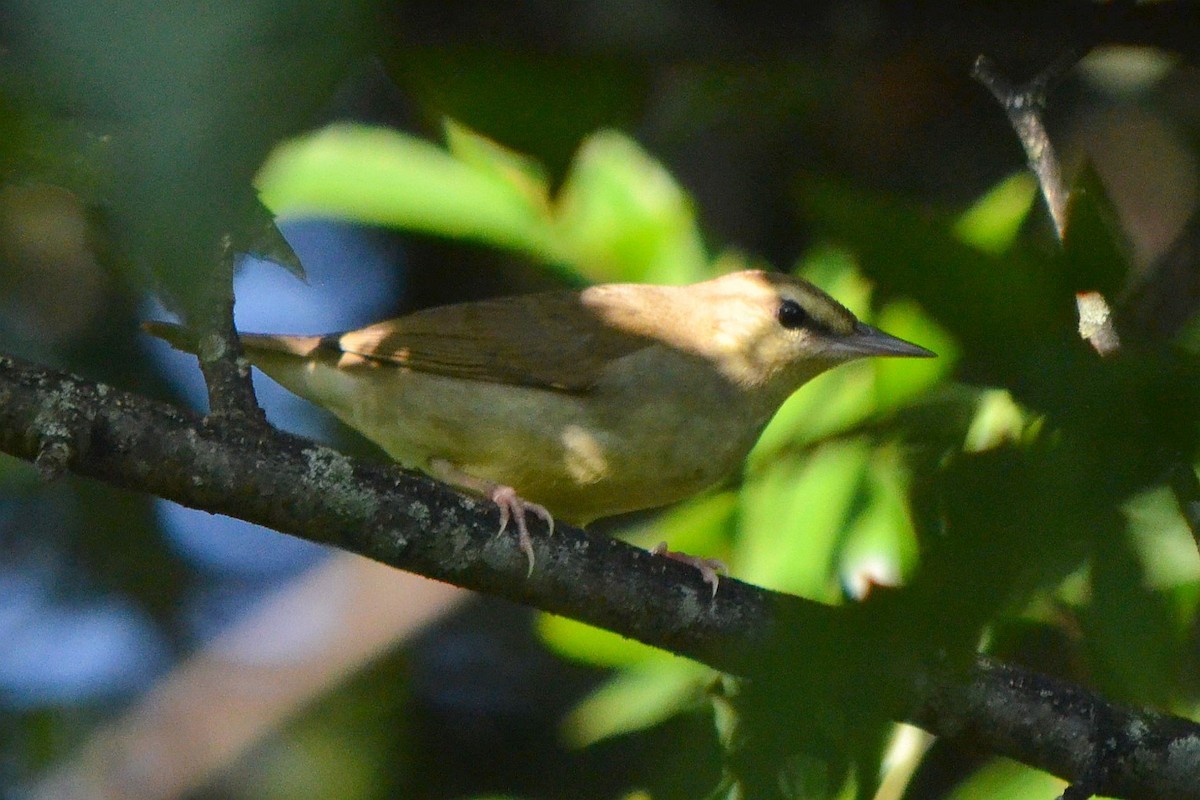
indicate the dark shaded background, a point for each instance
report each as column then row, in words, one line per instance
column 749, row 105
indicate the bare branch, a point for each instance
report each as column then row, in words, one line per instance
column 380, row 511
column 416, row 524
column 1024, row 106
column 1112, row 752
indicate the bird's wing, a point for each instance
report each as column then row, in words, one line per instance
column 549, row 341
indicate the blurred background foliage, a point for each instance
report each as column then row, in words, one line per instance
column 416, row 153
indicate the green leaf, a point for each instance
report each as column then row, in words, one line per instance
column 997, row 419
column 880, row 545
column 992, row 224
column 580, row 642
column 619, row 217
column 826, row 406
column 899, row 381
column 1162, row 540
column 638, row 698
column 263, row 240
column 384, row 177
column 793, row 517
column 1133, row 637
column 699, row 526
column 997, row 308
column 624, row 218
column 1001, row 779
column 490, row 158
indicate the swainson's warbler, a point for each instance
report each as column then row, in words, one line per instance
column 577, row 404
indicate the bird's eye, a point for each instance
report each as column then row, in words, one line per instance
column 791, row 315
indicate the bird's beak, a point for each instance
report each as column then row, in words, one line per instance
column 869, row 341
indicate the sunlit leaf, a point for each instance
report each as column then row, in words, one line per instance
column 489, row 157
column 1006, row 780
column 992, row 224
column 901, row 380
column 698, row 526
column 385, row 177
column 638, row 698
column 792, row 519
column 581, row 642
column 998, row 419
column 904, row 752
column 625, row 218
column 827, row 405
column 1164, row 544
column 620, row 216
column 880, row 546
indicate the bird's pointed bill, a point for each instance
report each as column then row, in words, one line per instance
column 870, row 341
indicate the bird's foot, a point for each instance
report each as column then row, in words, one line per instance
column 514, row 508
column 710, row 568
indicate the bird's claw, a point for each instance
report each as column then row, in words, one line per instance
column 710, row 569
column 512, row 507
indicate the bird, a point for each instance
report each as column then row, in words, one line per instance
column 577, row 404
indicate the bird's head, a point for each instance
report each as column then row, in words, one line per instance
column 769, row 328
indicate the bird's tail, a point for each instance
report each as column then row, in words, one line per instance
column 184, row 339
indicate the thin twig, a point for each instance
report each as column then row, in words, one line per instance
column 1024, row 106
column 226, row 371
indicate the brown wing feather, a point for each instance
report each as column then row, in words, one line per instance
column 549, row 340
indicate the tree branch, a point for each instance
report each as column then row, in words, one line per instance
column 1050, row 724
column 413, row 523
column 1024, row 106
column 382, row 512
